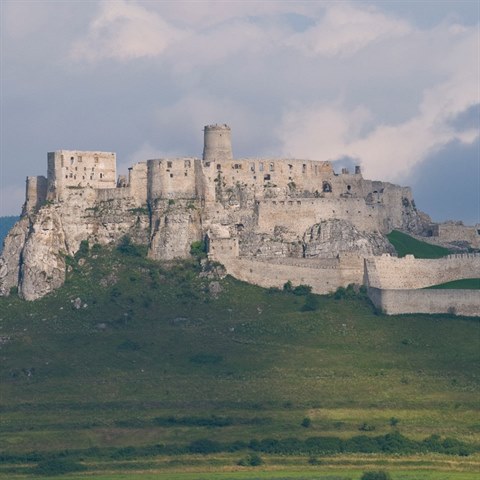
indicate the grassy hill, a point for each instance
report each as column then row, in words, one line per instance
column 405, row 244
column 141, row 367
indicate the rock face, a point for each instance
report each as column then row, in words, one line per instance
column 338, row 237
column 43, row 257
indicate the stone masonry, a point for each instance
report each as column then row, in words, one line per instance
column 267, row 220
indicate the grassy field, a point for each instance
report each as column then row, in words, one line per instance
column 155, row 357
column 405, row 244
column 464, row 283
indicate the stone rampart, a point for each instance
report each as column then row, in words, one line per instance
column 36, row 192
column 388, row 272
column 267, row 273
column 458, row 302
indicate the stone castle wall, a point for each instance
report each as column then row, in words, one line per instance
column 393, row 273
column 261, row 217
column 36, row 193
column 69, row 169
column 458, row 302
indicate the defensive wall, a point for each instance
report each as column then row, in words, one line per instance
column 391, row 273
column 36, row 192
column 323, row 275
column 458, row 302
column 451, row 233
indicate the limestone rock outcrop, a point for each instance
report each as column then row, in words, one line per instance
column 334, row 237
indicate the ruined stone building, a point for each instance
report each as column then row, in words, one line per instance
column 267, row 220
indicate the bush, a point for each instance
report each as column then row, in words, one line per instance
column 380, row 475
column 198, row 249
column 56, row 466
column 311, row 303
column 301, row 290
column 306, row 422
column 128, row 248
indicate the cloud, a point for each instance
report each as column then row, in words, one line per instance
column 389, row 149
column 345, row 29
column 125, row 31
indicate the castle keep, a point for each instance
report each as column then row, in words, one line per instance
column 267, row 220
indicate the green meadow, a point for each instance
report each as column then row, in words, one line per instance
column 152, row 370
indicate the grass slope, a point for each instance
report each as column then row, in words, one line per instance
column 154, row 356
column 405, row 244
column 464, row 283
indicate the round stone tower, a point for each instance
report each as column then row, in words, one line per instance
column 217, row 143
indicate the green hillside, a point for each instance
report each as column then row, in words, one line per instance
column 405, row 244
column 141, row 367
column 464, row 283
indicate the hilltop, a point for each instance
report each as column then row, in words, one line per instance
column 171, row 367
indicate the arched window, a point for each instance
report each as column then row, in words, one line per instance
column 326, row 187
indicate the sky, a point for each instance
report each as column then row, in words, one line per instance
column 393, row 86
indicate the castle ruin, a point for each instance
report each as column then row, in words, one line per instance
column 267, row 220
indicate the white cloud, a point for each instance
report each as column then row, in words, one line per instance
column 345, row 29
column 124, row 31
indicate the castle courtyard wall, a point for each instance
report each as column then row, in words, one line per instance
column 458, row 302
column 388, row 272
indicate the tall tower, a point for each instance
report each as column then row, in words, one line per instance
column 217, row 143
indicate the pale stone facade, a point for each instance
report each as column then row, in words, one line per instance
column 267, row 220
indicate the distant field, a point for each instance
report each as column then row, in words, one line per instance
column 157, row 374
column 464, row 283
column 406, row 245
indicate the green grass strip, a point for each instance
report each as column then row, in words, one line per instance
column 462, row 284
column 406, row 245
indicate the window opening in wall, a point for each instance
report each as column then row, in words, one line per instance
column 169, row 164
column 91, row 177
column 349, row 187
column 266, row 176
column 219, row 167
column 79, row 158
column 478, row 231
column 71, row 175
column 207, row 164
column 252, row 167
column 66, row 176
column 290, row 166
column 304, row 168
column 187, row 163
column 272, row 167
column 186, row 174
column 74, row 177
column 85, row 169
column 326, row 187
column 171, row 175
column 96, row 159
column 76, row 168
column 71, row 160
column 101, row 175
column 260, row 166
